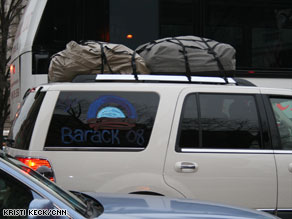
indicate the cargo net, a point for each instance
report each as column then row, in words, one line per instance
column 189, row 55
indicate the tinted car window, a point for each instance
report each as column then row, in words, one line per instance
column 219, row 121
column 13, row 194
column 102, row 120
column 189, row 126
column 23, row 124
column 282, row 108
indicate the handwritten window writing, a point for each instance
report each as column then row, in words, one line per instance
column 112, row 136
column 103, row 119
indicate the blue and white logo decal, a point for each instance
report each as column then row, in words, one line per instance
column 111, row 112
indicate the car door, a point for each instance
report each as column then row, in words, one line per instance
column 280, row 118
column 220, row 150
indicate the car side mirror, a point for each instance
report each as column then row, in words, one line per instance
column 46, row 172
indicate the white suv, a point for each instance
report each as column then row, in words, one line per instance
column 205, row 139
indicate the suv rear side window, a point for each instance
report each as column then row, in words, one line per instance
column 23, row 124
column 102, row 120
column 219, row 121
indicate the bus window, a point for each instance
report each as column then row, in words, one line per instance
column 260, row 31
column 66, row 20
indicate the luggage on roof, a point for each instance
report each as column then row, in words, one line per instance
column 93, row 57
column 187, row 55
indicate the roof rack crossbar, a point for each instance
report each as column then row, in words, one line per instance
column 164, row 78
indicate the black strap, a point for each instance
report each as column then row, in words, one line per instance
column 103, row 56
column 134, row 67
column 104, row 59
column 187, row 65
column 210, row 49
column 219, row 63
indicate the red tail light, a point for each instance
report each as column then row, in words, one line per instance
column 12, row 69
column 36, row 164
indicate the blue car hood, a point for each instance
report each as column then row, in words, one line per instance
column 144, row 206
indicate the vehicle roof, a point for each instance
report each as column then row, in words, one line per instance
column 130, row 85
column 156, row 82
column 88, row 86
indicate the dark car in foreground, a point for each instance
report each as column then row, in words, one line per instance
column 26, row 193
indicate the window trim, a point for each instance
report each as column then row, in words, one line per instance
column 228, row 151
column 46, row 148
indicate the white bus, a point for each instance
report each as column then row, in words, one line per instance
column 260, row 31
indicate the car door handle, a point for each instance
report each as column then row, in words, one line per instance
column 185, row 167
column 290, row 167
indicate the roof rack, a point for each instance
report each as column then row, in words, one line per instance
column 153, row 78
column 244, row 82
